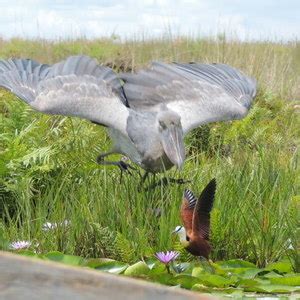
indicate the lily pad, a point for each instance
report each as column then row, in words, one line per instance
column 247, row 273
column 283, row 266
column 158, row 268
column 293, row 280
column 236, row 263
column 64, row 258
column 183, row 268
column 138, row 269
column 272, row 288
column 107, row 265
column 217, row 280
column 201, row 288
column 151, row 263
column 165, row 278
column 218, row 291
column 271, row 274
column 248, row 283
column 186, row 281
column 198, row 271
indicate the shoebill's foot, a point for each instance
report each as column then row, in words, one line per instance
column 122, row 165
column 165, row 181
column 143, row 179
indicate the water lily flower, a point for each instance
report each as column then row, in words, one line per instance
column 19, row 245
column 166, row 257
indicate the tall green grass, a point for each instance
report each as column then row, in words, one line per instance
column 48, row 170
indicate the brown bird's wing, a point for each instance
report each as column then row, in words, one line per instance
column 187, row 211
column 201, row 217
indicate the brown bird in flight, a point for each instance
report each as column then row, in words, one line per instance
column 195, row 215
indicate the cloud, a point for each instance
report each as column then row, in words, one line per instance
column 63, row 19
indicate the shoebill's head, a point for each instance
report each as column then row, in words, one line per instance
column 171, row 136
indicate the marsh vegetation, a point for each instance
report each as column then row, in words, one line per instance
column 49, row 174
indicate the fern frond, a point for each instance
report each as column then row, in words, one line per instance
column 124, row 248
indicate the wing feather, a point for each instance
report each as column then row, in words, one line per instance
column 201, row 217
column 187, row 211
column 77, row 86
column 199, row 93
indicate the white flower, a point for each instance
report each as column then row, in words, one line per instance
column 289, row 244
column 18, row 245
column 49, row 226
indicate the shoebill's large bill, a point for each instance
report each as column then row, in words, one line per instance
column 147, row 114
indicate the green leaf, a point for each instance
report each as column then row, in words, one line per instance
column 165, row 278
column 29, row 253
column 236, row 263
column 107, row 265
column 216, row 269
column 241, row 272
column 64, row 258
column 151, row 262
column 201, row 288
column 247, row 273
column 138, row 269
column 184, row 267
column 158, row 268
column 233, row 292
column 248, row 282
column 217, row 291
column 272, row 288
column 229, row 290
column 208, row 266
column 271, row 274
column 293, row 280
column 198, row 271
column 217, row 280
column 283, row 266
column 186, row 281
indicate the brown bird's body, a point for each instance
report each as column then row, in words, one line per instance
column 195, row 215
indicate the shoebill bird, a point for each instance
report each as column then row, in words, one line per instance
column 195, row 215
column 147, row 114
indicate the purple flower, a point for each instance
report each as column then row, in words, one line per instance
column 18, row 245
column 166, row 257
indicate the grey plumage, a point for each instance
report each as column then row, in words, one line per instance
column 199, row 93
column 147, row 113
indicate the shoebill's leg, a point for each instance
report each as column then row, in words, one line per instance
column 165, row 181
column 123, row 166
column 143, row 179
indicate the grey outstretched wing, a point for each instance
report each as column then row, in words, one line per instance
column 77, row 86
column 199, row 93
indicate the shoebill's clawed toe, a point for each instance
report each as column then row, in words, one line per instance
column 165, row 181
column 123, row 166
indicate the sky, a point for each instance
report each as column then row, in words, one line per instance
column 243, row 19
